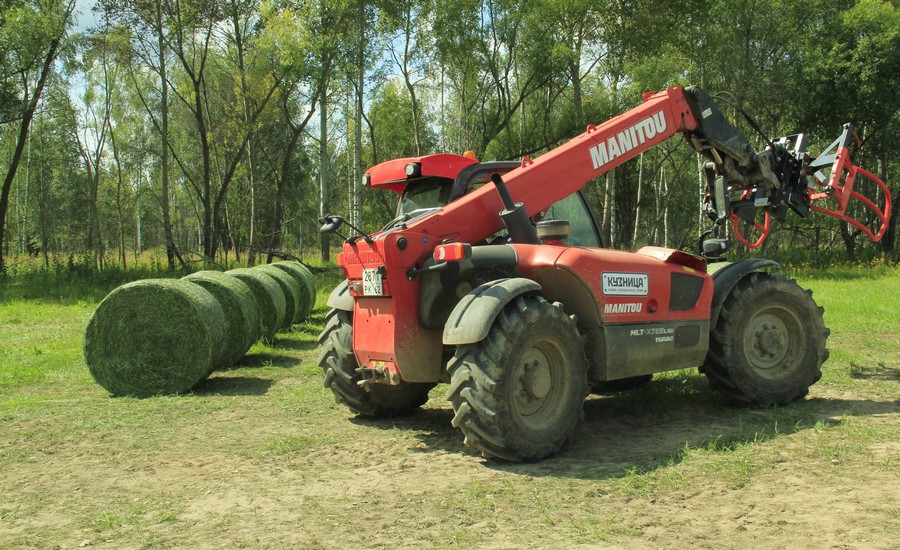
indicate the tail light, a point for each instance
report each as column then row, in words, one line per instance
column 452, row 252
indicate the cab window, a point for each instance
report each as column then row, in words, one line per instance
column 581, row 223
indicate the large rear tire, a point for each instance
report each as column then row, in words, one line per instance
column 339, row 365
column 769, row 343
column 518, row 394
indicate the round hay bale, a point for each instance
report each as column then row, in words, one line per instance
column 291, row 289
column 301, row 274
column 240, row 308
column 269, row 298
column 157, row 336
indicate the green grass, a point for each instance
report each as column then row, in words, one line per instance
column 41, row 341
column 260, row 455
column 862, row 312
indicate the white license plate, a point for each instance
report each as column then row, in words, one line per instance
column 372, row 283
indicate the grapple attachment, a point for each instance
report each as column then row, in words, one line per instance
column 786, row 178
column 838, row 188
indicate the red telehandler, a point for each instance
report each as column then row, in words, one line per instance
column 495, row 279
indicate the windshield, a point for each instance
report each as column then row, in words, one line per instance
column 426, row 194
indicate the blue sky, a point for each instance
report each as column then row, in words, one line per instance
column 84, row 18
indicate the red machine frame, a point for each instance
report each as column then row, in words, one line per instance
column 393, row 338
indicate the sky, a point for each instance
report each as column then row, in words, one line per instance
column 84, row 18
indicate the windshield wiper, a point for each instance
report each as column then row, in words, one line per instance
column 403, row 218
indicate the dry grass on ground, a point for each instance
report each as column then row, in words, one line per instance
column 260, row 456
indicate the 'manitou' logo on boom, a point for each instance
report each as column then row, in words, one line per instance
column 628, row 139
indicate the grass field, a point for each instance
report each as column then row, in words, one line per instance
column 261, row 456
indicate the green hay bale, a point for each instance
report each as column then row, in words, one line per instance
column 301, row 274
column 291, row 289
column 269, row 298
column 240, row 308
column 157, row 336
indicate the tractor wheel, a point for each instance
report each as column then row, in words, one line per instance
column 339, row 364
column 518, row 394
column 769, row 343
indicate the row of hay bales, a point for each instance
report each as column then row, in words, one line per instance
column 163, row 336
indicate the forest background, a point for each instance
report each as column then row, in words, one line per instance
column 218, row 131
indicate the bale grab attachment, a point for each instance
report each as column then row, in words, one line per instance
column 826, row 193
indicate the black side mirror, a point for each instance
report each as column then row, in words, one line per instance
column 330, row 224
column 714, row 248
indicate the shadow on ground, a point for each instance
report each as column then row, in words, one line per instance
column 233, row 385
column 432, row 424
column 645, row 428
column 298, row 345
column 877, row 372
column 265, row 359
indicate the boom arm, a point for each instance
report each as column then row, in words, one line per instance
column 739, row 180
column 560, row 172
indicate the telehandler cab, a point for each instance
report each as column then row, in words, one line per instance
column 495, row 279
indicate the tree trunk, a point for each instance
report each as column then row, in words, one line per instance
column 24, row 126
column 120, row 215
column 637, row 208
column 189, row 57
column 26, row 240
column 607, row 204
column 610, row 211
column 95, row 242
column 93, row 161
column 209, row 250
column 654, row 240
column 848, row 236
column 890, row 235
column 171, row 250
column 356, row 184
column 286, row 162
column 278, row 221
column 574, row 67
column 251, row 171
column 407, row 81
column 323, row 167
column 232, row 167
column 664, row 191
column 42, row 203
column 137, row 215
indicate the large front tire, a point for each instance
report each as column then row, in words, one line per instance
column 769, row 343
column 518, row 394
column 339, row 365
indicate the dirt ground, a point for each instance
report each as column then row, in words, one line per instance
column 260, row 456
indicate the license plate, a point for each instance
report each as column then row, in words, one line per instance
column 372, row 283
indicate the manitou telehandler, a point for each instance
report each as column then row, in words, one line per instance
column 495, row 279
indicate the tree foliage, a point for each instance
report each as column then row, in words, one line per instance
column 197, row 127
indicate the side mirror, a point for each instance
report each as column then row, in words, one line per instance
column 714, row 248
column 330, row 224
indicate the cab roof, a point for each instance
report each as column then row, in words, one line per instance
column 392, row 174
